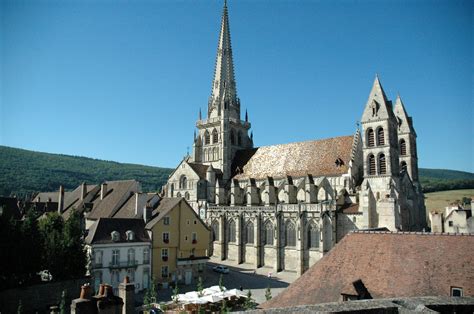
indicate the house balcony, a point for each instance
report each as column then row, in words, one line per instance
column 125, row 264
column 192, row 260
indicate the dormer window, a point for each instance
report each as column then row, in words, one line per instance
column 130, row 235
column 115, row 236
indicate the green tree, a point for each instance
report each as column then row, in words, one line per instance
column 51, row 229
column 175, row 293
column 75, row 257
column 150, row 295
column 268, row 294
column 200, row 287
column 224, row 307
column 249, row 303
column 62, row 304
column 221, row 283
column 20, row 308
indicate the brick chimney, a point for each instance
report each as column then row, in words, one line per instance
column 84, row 304
column 83, row 190
column 61, row 199
column 137, row 203
column 126, row 292
column 103, row 190
column 147, row 212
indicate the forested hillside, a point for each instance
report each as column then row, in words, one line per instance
column 433, row 180
column 23, row 172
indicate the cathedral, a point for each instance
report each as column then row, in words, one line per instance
column 284, row 206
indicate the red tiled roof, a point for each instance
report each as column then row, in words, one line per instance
column 317, row 158
column 389, row 265
column 351, row 208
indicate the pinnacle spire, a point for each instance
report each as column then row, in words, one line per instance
column 223, row 85
column 378, row 106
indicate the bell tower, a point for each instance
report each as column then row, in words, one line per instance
column 222, row 133
column 381, row 164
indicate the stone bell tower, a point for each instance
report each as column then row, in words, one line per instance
column 222, row 133
column 379, row 190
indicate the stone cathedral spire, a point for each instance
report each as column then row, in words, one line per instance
column 224, row 93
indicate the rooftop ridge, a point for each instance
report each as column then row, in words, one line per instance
column 412, row 233
column 300, row 142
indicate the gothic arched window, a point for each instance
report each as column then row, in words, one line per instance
column 370, row 138
column 380, row 137
column 186, row 196
column 215, row 153
column 371, row 164
column 313, row 236
column 403, row 147
column 183, row 181
column 403, row 166
column 231, row 231
column 382, row 164
column 232, row 137
column 215, row 136
column 239, row 138
column 207, row 138
column 209, row 154
column 249, row 233
column 268, row 236
column 290, row 234
column 215, row 230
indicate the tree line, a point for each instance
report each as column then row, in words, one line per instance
column 35, row 244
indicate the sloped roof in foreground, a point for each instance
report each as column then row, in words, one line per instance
column 389, row 264
column 317, row 158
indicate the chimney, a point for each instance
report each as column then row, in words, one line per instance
column 85, row 292
column 127, row 292
column 61, row 199
column 103, row 190
column 147, row 213
column 83, row 190
column 137, row 198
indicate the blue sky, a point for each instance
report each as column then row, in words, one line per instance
column 124, row 80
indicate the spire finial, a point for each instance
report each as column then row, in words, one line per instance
column 246, row 116
column 225, row 3
column 200, row 115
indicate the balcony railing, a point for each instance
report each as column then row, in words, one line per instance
column 125, row 264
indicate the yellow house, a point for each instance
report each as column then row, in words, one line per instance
column 180, row 242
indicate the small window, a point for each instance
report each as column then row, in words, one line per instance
column 146, row 256
column 115, row 257
column 164, row 271
column 164, row 254
column 130, row 235
column 456, row 292
column 166, row 237
column 166, row 221
column 187, row 221
column 195, row 221
column 450, row 223
column 194, row 237
column 115, row 236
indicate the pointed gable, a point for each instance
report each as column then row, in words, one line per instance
column 405, row 124
column 378, row 106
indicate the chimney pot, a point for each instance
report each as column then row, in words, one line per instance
column 108, row 291
column 126, row 279
column 85, row 292
column 61, row 199
column 103, row 190
column 101, row 289
column 83, row 190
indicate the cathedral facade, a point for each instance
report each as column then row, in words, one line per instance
column 284, row 206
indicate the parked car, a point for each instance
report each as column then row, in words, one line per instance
column 45, row 275
column 221, row 269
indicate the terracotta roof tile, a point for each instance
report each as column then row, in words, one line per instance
column 317, row 158
column 389, row 265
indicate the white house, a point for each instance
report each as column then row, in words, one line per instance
column 119, row 247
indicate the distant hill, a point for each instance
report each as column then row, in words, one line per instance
column 23, row 172
column 433, row 180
